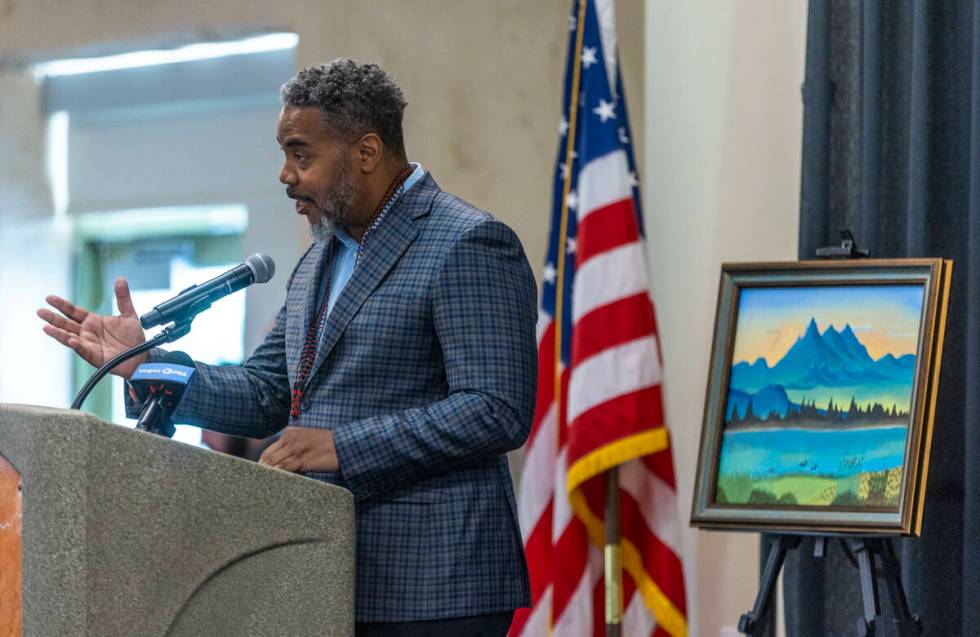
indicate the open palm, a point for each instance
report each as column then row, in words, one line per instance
column 95, row 337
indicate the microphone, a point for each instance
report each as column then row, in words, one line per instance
column 258, row 268
column 160, row 387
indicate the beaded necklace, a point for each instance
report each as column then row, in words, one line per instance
column 308, row 355
column 387, row 202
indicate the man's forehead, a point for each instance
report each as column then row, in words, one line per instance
column 299, row 124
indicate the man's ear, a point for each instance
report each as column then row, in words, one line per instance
column 368, row 151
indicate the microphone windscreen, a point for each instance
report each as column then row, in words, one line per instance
column 173, row 373
column 178, row 358
column 262, row 266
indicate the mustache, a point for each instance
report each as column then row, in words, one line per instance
column 292, row 194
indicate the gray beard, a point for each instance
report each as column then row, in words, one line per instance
column 338, row 206
column 323, row 230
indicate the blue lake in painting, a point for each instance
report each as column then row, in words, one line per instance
column 859, row 467
column 836, row 453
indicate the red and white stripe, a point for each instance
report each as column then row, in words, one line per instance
column 613, row 385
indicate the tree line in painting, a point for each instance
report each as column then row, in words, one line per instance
column 807, row 412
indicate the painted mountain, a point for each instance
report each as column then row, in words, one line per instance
column 819, row 418
column 821, row 369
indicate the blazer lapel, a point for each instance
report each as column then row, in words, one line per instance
column 383, row 250
column 308, row 294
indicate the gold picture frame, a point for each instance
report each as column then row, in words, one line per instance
column 822, row 425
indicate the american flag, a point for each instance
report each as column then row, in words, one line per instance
column 599, row 401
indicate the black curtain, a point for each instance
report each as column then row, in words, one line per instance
column 891, row 150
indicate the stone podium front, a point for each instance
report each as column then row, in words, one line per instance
column 126, row 533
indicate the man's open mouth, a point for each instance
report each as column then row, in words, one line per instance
column 301, row 202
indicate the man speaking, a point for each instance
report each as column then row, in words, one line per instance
column 401, row 365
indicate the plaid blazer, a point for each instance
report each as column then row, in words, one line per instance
column 425, row 372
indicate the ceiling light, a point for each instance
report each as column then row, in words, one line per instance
column 188, row 53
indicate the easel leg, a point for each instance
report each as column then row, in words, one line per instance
column 904, row 624
column 869, row 587
column 749, row 623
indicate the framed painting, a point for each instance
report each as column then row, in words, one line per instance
column 821, row 393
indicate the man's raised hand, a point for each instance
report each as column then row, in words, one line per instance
column 94, row 337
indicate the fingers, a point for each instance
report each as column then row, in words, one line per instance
column 67, row 308
column 66, row 332
column 123, row 298
column 280, row 456
column 58, row 334
column 124, row 301
column 71, row 340
column 263, row 459
column 273, row 453
column 290, row 464
column 59, row 321
column 84, row 351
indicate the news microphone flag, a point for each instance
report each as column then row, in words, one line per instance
column 152, row 373
column 599, row 402
column 160, row 386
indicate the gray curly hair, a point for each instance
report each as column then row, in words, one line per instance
column 354, row 99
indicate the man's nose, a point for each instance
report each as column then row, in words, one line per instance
column 287, row 175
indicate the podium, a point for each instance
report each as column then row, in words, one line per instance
column 126, row 533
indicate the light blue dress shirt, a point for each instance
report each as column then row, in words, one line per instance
column 345, row 256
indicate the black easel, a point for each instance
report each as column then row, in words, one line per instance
column 754, row 622
column 848, row 249
column 862, row 551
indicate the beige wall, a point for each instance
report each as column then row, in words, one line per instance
column 483, row 79
column 724, row 130
column 483, row 82
column 718, row 98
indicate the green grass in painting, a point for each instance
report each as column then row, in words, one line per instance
column 872, row 489
column 804, row 489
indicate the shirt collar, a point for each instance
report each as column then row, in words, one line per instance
column 344, row 237
column 414, row 178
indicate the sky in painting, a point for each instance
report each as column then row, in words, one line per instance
column 885, row 318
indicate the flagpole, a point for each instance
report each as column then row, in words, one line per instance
column 613, row 570
column 563, row 225
column 613, row 561
column 566, row 189
column 613, row 564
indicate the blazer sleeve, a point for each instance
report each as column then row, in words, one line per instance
column 484, row 312
column 250, row 400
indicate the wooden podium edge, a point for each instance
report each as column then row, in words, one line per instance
column 11, row 545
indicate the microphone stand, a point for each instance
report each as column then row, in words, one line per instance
column 152, row 419
column 168, row 335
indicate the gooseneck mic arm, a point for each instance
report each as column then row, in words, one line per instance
column 182, row 309
column 168, row 335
